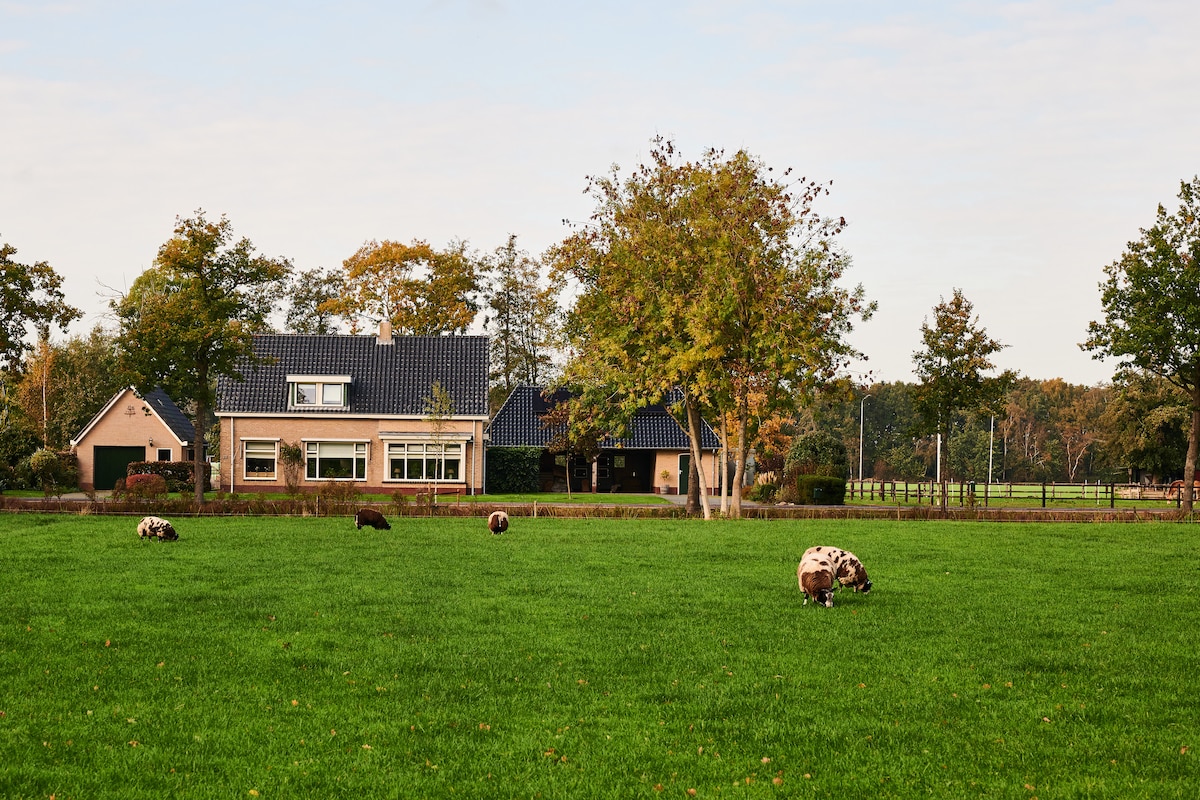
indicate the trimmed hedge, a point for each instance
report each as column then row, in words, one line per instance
column 177, row 474
column 513, row 470
column 821, row 490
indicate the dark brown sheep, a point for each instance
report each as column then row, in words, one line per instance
column 371, row 518
column 498, row 522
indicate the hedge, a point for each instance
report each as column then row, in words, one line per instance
column 177, row 474
column 821, row 490
column 513, row 470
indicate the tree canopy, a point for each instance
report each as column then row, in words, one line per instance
column 190, row 317
column 1151, row 308
column 30, row 295
column 713, row 276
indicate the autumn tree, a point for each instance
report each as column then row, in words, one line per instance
column 521, row 317
column 1151, row 309
column 952, row 368
column 190, row 317
column 711, row 276
column 30, row 297
column 419, row 290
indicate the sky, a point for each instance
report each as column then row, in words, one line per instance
column 1007, row 149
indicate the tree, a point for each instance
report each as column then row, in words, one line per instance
column 190, row 317
column 30, row 294
column 309, row 295
column 521, row 316
column 1152, row 310
column 419, row 290
column 951, row 367
column 713, row 277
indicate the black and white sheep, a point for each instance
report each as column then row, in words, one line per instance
column 846, row 567
column 498, row 522
column 816, row 577
column 156, row 528
column 371, row 518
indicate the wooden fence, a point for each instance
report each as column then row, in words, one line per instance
column 971, row 494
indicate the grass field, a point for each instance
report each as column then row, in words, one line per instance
column 595, row 659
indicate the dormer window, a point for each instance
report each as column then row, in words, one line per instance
column 318, row 391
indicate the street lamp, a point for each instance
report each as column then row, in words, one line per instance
column 861, row 408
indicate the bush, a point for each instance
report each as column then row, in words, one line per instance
column 817, row 453
column 179, row 475
column 338, row 497
column 762, row 493
column 513, row 470
column 53, row 472
column 824, row 490
column 146, row 487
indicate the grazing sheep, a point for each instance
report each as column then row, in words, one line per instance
column 816, row 577
column 498, row 522
column 846, row 566
column 371, row 518
column 156, row 528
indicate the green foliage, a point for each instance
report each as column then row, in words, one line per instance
column 817, row 453
column 824, row 490
column 521, row 319
column 513, row 470
column 372, row 657
column 54, row 472
column 293, row 458
column 310, row 294
column 30, row 294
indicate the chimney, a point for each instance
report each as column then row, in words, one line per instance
column 385, row 332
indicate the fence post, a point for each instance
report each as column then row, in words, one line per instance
column 1112, row 495
column 1043, row 494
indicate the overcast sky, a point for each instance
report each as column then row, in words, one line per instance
column 1007, row 149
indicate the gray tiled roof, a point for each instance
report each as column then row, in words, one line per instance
column 519, row 423
column 165, row 407
column 387, row 379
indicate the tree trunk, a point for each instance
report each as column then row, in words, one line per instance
column 694, row 438
column 199, row 424
column 1189, row 464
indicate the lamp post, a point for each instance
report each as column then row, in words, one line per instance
column 861, row 408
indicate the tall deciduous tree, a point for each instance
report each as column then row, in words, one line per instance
column 419, row 290
column 714, row 277
column 952, row 366
column 30, row 295
column 1152, row 309
column 309, row 296
column 190, row 317
column 521, row 316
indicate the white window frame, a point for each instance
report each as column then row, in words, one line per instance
column 260, row 447
column 360, row 459
column 328, row 391
column 421, row 452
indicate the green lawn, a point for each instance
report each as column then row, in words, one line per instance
column 290, row 657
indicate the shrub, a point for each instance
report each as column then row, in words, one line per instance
column 291, row 454
column 53, row 472
column 817, row 453
column 824, row 490
column 338, row 497
column 146, row 487
column 513, row 470
column 179, row 475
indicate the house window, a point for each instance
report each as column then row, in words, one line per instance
column 259, row 460
column 318, row 392
column 336, row 461
column 164, row 454
column 424, row 461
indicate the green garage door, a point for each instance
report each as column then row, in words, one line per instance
column 110, row 464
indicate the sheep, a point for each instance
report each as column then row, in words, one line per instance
column 371, row 518
column 816, row 577
column 498, row 522
column 846, row 566
column 156, row 528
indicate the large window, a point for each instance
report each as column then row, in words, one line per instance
column 424, row 461
column 336, row 461
column 259, row 459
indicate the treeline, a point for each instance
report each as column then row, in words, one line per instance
column 1045, row 430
